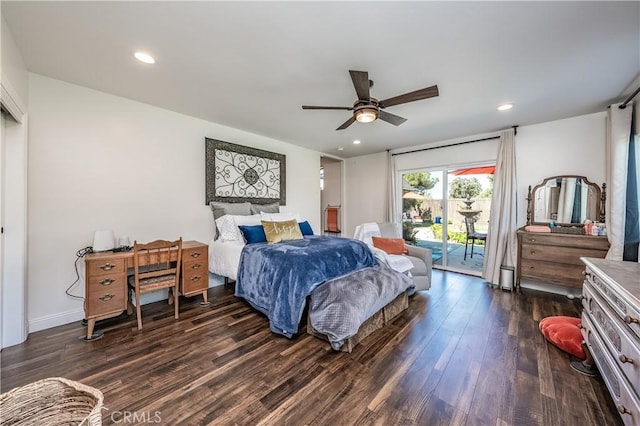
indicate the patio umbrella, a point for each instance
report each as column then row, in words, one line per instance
column 414, row 196
column 485, row 170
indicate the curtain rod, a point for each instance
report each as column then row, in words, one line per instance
column 515, row 132
column 446, row 146
column 633, row 95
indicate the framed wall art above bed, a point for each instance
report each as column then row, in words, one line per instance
column 237, row 174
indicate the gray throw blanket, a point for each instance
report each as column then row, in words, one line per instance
column 340, row 306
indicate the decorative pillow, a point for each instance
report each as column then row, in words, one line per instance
column 390, row 245
column 282, row 231
column 227, row 229
column 564, row 333
column 267, row 208
column 305, row 228
column 220, row 209
column 253, row 234
column 279, row 217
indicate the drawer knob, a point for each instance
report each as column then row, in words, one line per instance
column 195, row 278
column 533, row 252
column 107, row 266
column 106, row 297
column 630, row 320
column 623, row 358
column 623, row 410
column 195, row 255
column 106, row 281
column 533, row 240
column 196, row 266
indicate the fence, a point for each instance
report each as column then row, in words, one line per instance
column 455, row 204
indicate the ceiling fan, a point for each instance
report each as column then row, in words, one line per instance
column 367, row 109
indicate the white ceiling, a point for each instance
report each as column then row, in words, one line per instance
column 251, row 65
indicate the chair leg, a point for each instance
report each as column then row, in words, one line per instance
column 176, row 297
column 473, row 243
column 465, row 249
column 138, row 311
column 129, row 304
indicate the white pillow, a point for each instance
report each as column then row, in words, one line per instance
column 279, row 217
column 227, row 229
column 253, row 219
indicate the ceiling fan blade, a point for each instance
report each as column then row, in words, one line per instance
column 326, row 107
column 396, row 120
column 361, row 83
column 347, row 123
column 428, row 92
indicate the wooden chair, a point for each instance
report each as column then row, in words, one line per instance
column 153, row 270
column 332, row 218
column 472, row 235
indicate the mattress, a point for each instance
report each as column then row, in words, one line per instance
column 224, row 258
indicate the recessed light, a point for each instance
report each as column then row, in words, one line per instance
column 144, row 57
column 341, row 149
column 356, row 142
column 505, row 107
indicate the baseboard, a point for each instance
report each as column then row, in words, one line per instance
column 49, row 321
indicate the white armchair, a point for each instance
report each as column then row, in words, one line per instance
column 420, row 257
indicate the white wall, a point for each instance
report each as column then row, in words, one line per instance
column 365, row 191
column 574, row 146
column 98, row 161
column 13, row 194
column 13, row 71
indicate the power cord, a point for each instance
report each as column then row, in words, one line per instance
column 79, row 255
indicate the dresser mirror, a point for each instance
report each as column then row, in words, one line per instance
column 565, row 200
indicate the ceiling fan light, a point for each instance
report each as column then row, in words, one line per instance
column 366, row 115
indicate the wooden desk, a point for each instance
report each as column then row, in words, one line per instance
column 106, row 281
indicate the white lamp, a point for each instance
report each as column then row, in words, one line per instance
column 103, row 240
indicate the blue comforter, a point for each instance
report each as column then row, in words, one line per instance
column 276, row 278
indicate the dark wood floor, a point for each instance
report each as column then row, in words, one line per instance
column 463, row 354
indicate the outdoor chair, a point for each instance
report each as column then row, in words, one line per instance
column 472, row 235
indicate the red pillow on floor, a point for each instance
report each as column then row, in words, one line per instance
column 564, row 333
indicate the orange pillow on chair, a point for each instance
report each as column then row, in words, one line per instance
column 390, row 245
column 564, row 333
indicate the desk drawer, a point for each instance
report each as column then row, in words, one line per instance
column 195, row 253
column 105, row 266
column 106, row 301
column 106, row 283
column 195, row 278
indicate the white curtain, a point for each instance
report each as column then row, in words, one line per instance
column 617, row 158
column 391, row 198
column 501, row 244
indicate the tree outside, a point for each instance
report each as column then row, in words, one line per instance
column 465, row 188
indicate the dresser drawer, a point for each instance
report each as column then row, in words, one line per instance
column 559, row 273
column 625, row 399
column 106, row 301
column 565, row 240
column 558, row 254
column 624, row 348
column 105, row 266
column 195, row 278
column 623, row 310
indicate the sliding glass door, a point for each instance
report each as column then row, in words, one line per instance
column 447, row 210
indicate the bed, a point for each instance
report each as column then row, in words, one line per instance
column 338, row 279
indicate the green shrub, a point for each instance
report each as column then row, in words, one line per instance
column 409, row 233
column 452, row 235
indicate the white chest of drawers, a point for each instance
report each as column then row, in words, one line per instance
column 611, row 329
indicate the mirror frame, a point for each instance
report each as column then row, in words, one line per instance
column 601, row 196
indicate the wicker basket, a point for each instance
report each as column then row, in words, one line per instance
column 53, row 401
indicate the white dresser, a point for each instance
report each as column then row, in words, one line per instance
column 611, row 329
